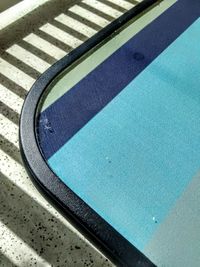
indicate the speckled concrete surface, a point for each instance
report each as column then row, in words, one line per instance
column 32, row 232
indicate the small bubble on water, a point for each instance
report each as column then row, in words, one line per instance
column 154, row 219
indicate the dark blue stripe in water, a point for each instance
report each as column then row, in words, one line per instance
column 79, row 105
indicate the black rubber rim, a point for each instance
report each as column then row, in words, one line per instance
column 97, row 230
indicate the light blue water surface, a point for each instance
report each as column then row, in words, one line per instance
column 133, row 160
